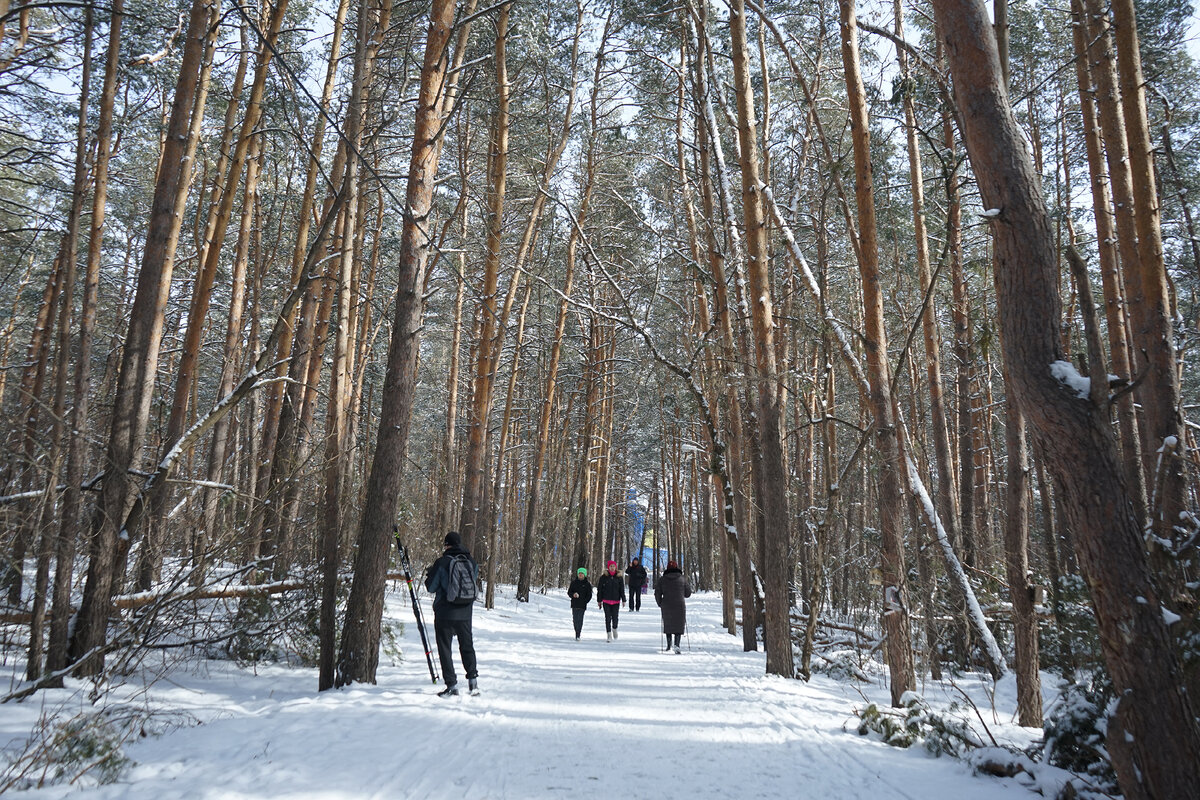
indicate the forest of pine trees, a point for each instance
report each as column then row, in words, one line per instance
column 878, row 319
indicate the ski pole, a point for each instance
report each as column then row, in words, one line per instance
column 406, row 565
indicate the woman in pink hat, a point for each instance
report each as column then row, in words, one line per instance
column 610, row 594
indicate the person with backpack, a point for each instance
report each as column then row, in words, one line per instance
column 669, row 593
column 635, row 573
column 580, row 592
column 452, row 580
column 610, row 594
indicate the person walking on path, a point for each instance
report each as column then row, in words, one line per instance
column 610, row 594
column 670, row 592
column 453, row 601
column 580, row 592
column 635, row 573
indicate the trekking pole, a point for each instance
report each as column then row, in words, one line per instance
column 687, row 634
column 406, row 565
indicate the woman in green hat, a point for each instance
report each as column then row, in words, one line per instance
column 580, row 592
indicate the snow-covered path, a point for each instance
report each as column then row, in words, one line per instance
column 556, row 718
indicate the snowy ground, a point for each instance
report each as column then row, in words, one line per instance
column 557, row 718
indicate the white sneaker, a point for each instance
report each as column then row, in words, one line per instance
column 610, row 636
column 614, row 633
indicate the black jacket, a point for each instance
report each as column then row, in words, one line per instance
column 636, row 574
column 436, row 578
column 610, row 587
column 582, row 587
column 669, row 593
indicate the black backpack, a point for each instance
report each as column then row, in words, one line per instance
column 460, row 581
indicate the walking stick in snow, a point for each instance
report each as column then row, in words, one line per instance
column 406, row 565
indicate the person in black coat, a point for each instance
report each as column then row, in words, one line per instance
column 670, row 591
column 610, row 594
column 451, row 620
column 635, row 573
column 580, row 592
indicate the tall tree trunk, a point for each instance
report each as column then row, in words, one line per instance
column 1020, row 586
column 729, row 455
column 229, row 369
column 139, row 360
column 37, row 523
column 499, row 492
column 298, row 321
column 939, row 428
column 543, row 431
column 1150, row 304
column 339, row 374
column 1101, row 64
column 33, row 380
column 449, row 466
column 1110, row 269
column 1153, row 737
column 895, row 601
column 359, row 653
column 776, row 560
column 473, row 515
column 64, row 554
column 151, row 555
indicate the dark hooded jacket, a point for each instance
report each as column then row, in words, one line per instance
column 636, row 574
column 669, row 593
column 582, row 587
column 436, row 579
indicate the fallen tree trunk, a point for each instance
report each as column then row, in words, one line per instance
column 140, row 599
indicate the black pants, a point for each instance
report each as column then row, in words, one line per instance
column 577, row 617
column 676, row 635
column 611, row 612
column 445, row 631
column 635, row 598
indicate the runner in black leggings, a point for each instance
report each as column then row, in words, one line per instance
column 610, row 593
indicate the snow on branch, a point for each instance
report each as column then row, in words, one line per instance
column 150, row 58
column 954, row 568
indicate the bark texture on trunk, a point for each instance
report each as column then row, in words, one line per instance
column 891, row 508
column 139, row 358
column 1154, row 737
column 776, row 561
column 359, row 654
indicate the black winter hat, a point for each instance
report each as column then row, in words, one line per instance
column 452, row 539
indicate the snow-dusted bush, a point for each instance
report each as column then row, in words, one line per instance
column 390, row 634
column 275, row 628
column 915, row 722
column 1076, row 728
column 841, row 665
column 64, row 751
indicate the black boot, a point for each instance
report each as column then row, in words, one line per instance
column 449, row 691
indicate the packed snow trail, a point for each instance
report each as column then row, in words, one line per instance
column 557, row 718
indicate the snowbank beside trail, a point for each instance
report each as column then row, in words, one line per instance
column 556, row 718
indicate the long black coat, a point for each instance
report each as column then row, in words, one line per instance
column 583, row 588
column 669, row 593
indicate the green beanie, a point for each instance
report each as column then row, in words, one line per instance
column 583, row 571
